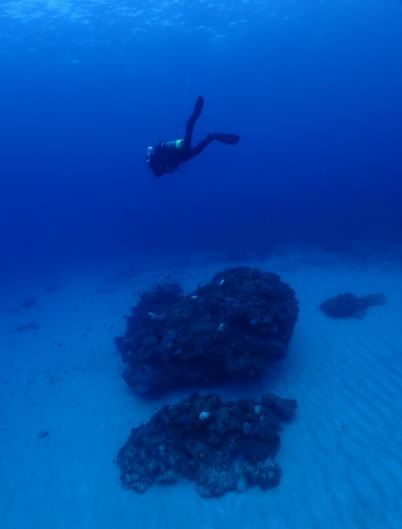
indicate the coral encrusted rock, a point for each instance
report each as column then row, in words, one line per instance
column 229, row 329
column 351, row 306
column 221, row 446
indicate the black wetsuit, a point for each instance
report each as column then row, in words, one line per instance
column 167, row 157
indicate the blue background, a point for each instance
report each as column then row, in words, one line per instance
column 313, row 88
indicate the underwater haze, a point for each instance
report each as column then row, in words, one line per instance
column 313, row 88
column 312, row 193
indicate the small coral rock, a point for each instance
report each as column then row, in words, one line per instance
column 218, row 454
column 351, row 306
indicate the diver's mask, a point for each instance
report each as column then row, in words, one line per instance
column 150, row 151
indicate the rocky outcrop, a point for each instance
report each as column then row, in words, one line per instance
column 221, row 446
column 229, row 329
column 351, row 306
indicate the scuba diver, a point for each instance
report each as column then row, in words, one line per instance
column 167, row 157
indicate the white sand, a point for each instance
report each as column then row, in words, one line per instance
column 341, row 457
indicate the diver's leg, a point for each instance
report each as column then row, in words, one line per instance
column 200, row 147
column 230, row 139
column 191, row 122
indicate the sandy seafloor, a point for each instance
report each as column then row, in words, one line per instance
column 341, row 457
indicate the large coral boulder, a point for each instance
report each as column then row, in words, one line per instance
column 229, row 329
column 221, row 446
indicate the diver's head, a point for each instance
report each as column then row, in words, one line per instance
column 150, row 150
column 155, row 161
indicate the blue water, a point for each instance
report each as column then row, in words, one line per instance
column 313, row 88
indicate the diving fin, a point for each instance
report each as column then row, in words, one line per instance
column 230, row 139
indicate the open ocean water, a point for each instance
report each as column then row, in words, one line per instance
column 312, row 191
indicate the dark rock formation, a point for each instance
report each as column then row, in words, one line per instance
column 229, row 329
column 52, row 287
column 31, row 326
column 221, row 446
column 27, row 304
column 43, row 434
column 350, row 306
